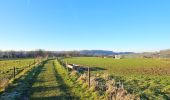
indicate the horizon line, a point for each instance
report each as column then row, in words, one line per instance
column 135, row 51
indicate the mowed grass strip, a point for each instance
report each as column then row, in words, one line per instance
column 47, row 87
column 74, row 89
column 67, row 84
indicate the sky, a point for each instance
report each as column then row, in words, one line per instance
column 117, row 25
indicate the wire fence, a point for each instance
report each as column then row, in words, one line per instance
column 6, row 75
column 110, row 85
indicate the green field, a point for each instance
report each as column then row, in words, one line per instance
column 147, row 78
column 7, row 66
column 47, row 81
column 125, row 66
column 55, row 83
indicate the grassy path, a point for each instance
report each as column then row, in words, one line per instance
column 47, row 81
column 80, row 91
column 50, row 85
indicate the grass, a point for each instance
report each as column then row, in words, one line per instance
column 48, row 81
column 125, row 66
column 51, row 81
column 147, row 78
column 79, row 90
column 7, row 66
column 19, row 88
column 46, row 85
column 51, row 84
column 55, row 83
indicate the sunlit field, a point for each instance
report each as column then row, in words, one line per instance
column 7, row 67
column 148, row 78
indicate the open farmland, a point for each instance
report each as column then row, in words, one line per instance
column 125, row 66
column 7, row 67
column 47, row 80
column 10, row 69
column 147, row 78
column 110, row 79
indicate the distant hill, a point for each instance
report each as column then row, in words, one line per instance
column 101, row 52
column 165, row 53
column 160, row 54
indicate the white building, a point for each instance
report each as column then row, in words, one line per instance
column 117, row 56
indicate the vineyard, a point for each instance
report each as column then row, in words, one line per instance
column 146, row 78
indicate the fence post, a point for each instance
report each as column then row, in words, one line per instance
column 122, row 86
column 34, row 61
column 66, row 66
column 66, row 63
column 89, row 77
column 14, row 73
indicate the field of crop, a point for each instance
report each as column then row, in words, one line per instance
column 7, row 66
column 147, row 78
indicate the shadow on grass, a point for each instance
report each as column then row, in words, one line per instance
column 53, row 98
column 94, row 69
column 65, row 88
column 65, row 93
column 97, row 69
column 22, row 85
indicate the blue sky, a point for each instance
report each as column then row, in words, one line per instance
column 118, row 25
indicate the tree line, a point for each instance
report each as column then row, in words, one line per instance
column 36, row 53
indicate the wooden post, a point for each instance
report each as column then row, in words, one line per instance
column 66, row 64
column 122, row 86
column 119, row 84
column 14, row 73
column 89, row 77
column 67, row 70
column 67, row 67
